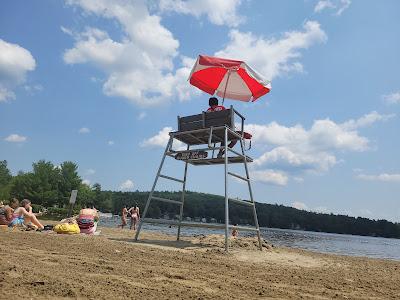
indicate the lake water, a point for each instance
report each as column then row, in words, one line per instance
column 343, row 244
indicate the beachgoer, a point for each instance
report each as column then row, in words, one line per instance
column 124, row 214
column 135, row 216
column 87, row 219
column 6, row 211
column 213, row 103
column 235, row 232
column 23, row 216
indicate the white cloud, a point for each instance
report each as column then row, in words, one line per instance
column 142, row 115
column 110, row 143
column 15, row 62
column 273, row 57
column 384, row 177
column 84, row 130
column 321, row 209
column 161, row 140
column 219, row 12
column 299, row 205
column 86, row 181
column 393, row 98
column 140, row 66
column 15, row 138
column 344, row 4
column 323, row 4
column 340, row 6
column 90, row 172
column 366, row 212
column 32, row 89
column 126, row 185
column 295, row 150
column 269, row 177
column 366, row 120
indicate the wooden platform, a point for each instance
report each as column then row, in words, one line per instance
column 218, row 161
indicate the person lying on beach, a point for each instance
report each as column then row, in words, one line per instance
column 124, row 214
column 135, row 216
column 23, row 216
column 87, row 219
column 6, row 211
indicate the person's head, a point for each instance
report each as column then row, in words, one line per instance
column 14, row 203
column 25, row 203
column 89, row 205
column 213, row 101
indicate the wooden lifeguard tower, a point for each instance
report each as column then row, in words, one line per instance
column 201, row 133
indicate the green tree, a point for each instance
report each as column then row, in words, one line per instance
column 5, row 179
column 45, row 184
column 69, row 180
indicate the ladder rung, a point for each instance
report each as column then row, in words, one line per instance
column 167, row 200
column 241, row 202
column 171, row 178
column 238, row 176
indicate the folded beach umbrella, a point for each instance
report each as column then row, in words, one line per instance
column 228, row 78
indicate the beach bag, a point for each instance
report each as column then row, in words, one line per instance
column 67, row 228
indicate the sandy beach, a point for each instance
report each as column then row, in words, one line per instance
column 37, row 265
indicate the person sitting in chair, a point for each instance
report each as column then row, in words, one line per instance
column 213, row 103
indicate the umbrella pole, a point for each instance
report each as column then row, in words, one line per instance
column 226, row 85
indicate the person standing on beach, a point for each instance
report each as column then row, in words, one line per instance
column 135, row 216
column 124, row 214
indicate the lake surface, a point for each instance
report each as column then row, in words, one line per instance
column 343, row 244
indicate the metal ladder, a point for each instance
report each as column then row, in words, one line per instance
column 180, row 223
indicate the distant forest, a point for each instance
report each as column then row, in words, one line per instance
column 50, row 186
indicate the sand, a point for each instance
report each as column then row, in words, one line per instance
column 37, row 265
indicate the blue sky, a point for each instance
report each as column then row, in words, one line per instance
column 101, row 82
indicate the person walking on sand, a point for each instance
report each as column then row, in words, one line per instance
column 124, row 214
column 135, row 216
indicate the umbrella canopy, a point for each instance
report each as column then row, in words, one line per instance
column 228, row 78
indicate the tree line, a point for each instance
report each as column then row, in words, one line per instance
column 49, row 185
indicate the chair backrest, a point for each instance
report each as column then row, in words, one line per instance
column 206, row 120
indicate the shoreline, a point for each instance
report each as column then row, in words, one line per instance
column 50, row 266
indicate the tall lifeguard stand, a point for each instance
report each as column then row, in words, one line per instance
column 203, row 131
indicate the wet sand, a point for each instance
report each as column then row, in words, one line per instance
column 37, row 265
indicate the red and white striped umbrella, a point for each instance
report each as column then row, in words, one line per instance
column 227, row 78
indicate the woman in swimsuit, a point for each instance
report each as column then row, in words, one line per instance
column 124, row 214
column 23, row 216
column 135, row 216
column 6, row 211
column 87, row 219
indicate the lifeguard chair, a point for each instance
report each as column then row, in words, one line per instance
column 201, row 133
